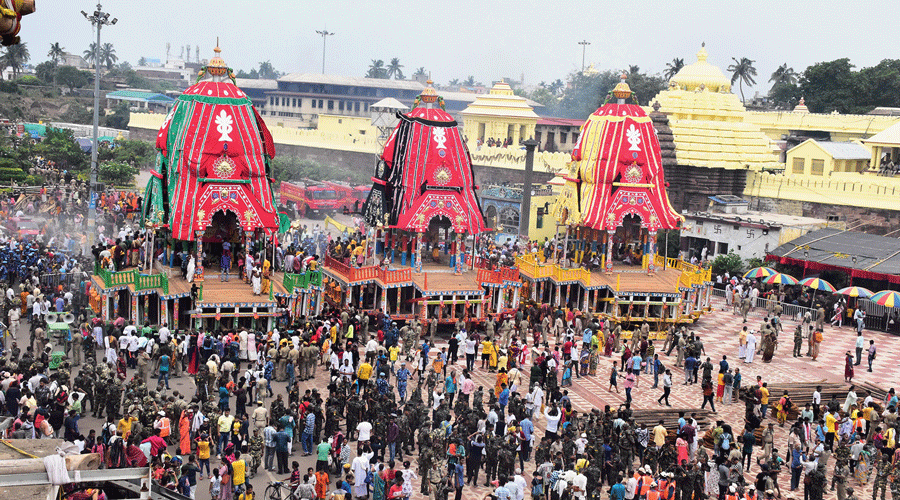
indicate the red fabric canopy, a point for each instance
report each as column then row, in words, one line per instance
column 430, row 174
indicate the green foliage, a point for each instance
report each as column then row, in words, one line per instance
column 395, row 69
column 785, row 95
column 12, row 174
column 267, row 71
column 742, row 71
column 669, row 242
column 730, row 262
column 79, row 114
column 29, row 80
column 15, row 57
column 138, row 153
column 252, row 75
column 583, row 93
column 755, row 262
column 377, row 69
column 34, row 180
column 830, row 86
column 119, row 118
column 72, row 77
column 8, row 87
column 60, row 146
column 46, row 71
column 116, row 173
column 292, row 169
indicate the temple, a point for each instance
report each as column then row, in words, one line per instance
column 424, row 217
column 210, row 205
column 612, row 207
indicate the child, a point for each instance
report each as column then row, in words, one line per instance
column 295, row 475
column 215, row 484
column 247, row 494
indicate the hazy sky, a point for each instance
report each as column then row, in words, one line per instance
column 488, row 40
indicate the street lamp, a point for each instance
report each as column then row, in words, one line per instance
column 584, row 44
column 99, row 19
column 324, row 34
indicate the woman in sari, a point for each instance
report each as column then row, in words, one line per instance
column 492, row 361
column 608, row 348
column 848, row 367
column 184, row 433
column 567, row 373
column 256, row 279
column 502, row 378
column 771, row 344
column 783, row 407
column 378, row 484
column 266, row 272
column 594, row 361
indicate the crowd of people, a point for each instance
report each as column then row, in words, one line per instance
column 385, row 393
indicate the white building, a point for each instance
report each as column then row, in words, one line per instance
column 730, row 226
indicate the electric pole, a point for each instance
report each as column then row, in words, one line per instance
column 324, row 34
column 98, row 19
column 584, row 44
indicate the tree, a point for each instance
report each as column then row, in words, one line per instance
column 742, row 71
column 420, row 72
column 108, row 55
column 123, row 66
column 784, row 74
column 117, row 173
column 15, row 57
column 72, row 77
column 59, row 146
column 829, row 86
column 784, row 95
column 470, row 81
column 454, row 82
column 252, row 75
column 142, row 61
column 673, row 68
column 119, row 118
column 730, row 263
column 634, row 69
column 395, row 69
column 46, row 71
column 78, row 113
column 267, row 71
column 90, row 54
column 377, row 69
column 56, row 52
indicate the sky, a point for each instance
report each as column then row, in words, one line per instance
column 486, row 39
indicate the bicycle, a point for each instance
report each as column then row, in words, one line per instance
column 274, row 491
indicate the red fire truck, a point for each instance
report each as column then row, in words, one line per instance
column 309, row 198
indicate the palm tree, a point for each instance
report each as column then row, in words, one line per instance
column 784, row 74
column 454, row 82
column 56, row 52
column 90, row 54
column 470, row 81
column 742, row 72
column 634, row 69
column 420, row 72
column 673, row 68
column 15, row 57
column 377, row 69
column 394, row 70
column 142, row 61
column 108, row 55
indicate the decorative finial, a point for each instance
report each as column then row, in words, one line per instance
column 703, row 44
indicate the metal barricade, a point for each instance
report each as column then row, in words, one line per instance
column 876, row 314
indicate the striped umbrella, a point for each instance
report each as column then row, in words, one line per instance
column 781, row 279
column 886, row 298
column 855, row 291
column 759, row 272
column 818, row 284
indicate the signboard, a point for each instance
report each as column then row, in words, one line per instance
column 94, row 197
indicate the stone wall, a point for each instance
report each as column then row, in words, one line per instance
column 690, row 187
column 863, row 219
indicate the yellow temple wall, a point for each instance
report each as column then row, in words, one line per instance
column 839, row 188
column 498, row 128
column 776, row 124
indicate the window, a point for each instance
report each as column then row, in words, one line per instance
column 537, row 136
column 357, row 107
column 799, row 166
column 294, row 102
column 818, row 167
column 539, row 222
column 321, row 104
column 509, row 219
column 722, row 248
column 314, row 104
column 300, row 103
column 330, row 105
column 563, row 137
column 833, row 218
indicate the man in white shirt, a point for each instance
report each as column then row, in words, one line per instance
column 364, row 430
column 164, row 334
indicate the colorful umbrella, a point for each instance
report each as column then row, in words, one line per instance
column 781, row 279
column 886, row 298
column 759, row 272
column 855, row 291
column 818, row 284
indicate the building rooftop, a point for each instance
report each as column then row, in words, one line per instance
column 257, row 83
column 692, row 76
column 754, row 217
column 887, row 137
column 841, row 150
column 139, row 96
column 560, row 122
column 351, row 81
column 389, row 103
column 849, row 249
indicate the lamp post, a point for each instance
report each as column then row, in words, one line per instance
column 584, row 44
column 99, row 19
column 325, row 34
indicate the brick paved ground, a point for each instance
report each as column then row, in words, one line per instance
column 718, row 330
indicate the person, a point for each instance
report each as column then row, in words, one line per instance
column 281, row 449
column 871, row 353
column 848, row 367
column 750, row 349
column 667, row 388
